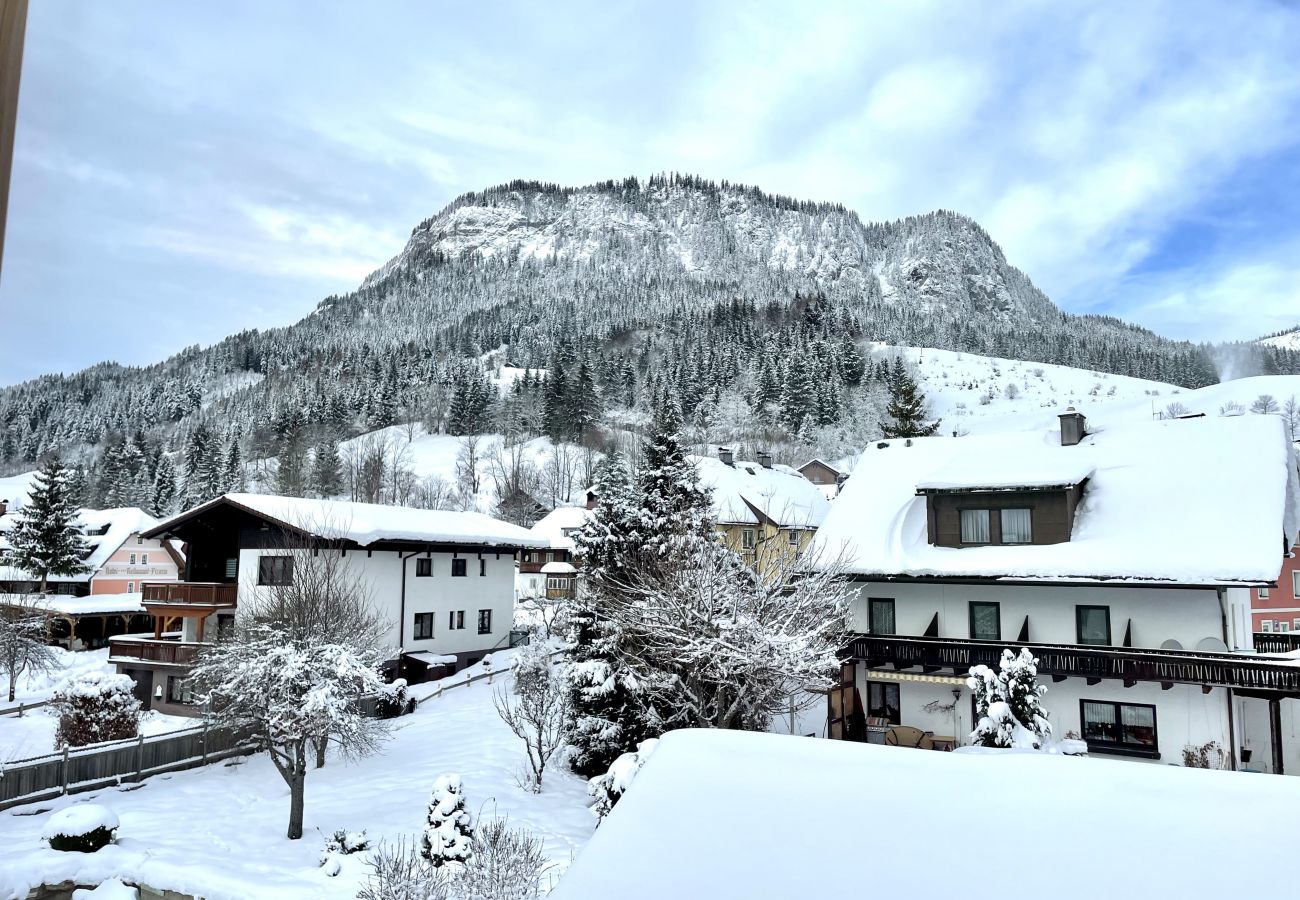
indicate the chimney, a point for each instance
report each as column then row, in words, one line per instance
column 1073, row 427
column 728, row 458
column 765, row 459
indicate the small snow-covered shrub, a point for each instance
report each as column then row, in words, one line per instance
column 1008, row 709
column 507, row 864
column 398, row 872
column 609, row 788
column 394, row 700
column 82, row 828
column 347, row 842
column 94, row 707
column 450, row 831
column 1012, row 391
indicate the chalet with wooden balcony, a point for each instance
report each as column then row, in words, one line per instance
column 1118, row 554
column 443, row 580
column 551, row 572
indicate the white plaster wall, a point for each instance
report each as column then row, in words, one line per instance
column 439, row 593
column 1157, row 614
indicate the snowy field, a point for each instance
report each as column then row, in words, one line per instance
column 14, row 488
column 219, row 831
column 728, row 814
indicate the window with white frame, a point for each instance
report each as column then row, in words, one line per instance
column 1261, row 593
column 1282, row 626
column 132, row 559
column 793, row 538
column 1017, row 526
column 1295, row 584
column 1266, row 626
column 974, row 526
column 747, row 539
column 130, row 587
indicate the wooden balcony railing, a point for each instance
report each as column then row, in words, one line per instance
column 1277, row 641
column 189, row 593
column 177, row 653
column 1061, row 661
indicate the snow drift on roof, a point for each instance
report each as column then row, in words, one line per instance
column 558, row 521
column 742, row 491
column 558, row 568
column 1196, row 501
column 367, row 523
column 970, row 473
column 737, row 814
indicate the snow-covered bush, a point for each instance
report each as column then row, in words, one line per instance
column 1008, row 712
column 394, row 700
column 347, row 842
column 448, row 835
column 94, row 707
column 398, row 872
column 82, row 828
column 608, row 789
column 507, row 864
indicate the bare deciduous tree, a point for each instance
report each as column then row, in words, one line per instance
column 535, row 708
column 24, row 628
column 468, row 472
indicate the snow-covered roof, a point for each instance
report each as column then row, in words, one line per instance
column 368, row 523
column 698, row 822
column 106, row 530
column 971, row 473
column 92, row 604
column 558, row 568
column 558, row 525
column 746, row 490
column 1194, row 501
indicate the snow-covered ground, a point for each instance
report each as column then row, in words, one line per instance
column 14, row 488
column 1288, row 341
column 32, row 734
column 219, row 831
column 730, row 814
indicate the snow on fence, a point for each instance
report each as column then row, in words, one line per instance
column 80, row 769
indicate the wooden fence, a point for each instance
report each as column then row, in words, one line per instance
column 98, row 766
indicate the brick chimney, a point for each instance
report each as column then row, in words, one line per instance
column 1073, row 427
column 765, row 459
column 727, row 456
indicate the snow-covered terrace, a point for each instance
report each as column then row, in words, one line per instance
column 1206, row 501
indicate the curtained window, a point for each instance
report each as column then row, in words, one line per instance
column 1017, row 526
column 974, row 526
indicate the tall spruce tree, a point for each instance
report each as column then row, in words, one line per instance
column 327, row 471
column 674, row 505
column 162, row 501
column 906, row 408
column 46, row 538
column 606, row 716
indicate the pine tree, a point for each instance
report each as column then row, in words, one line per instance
column 1008, row 703
column 606, row 717
column 327, row 471
column 162, row 501
column 46, row 538
column 200, row 466
column 906, row 409
column 449, row 833
column 674, row 505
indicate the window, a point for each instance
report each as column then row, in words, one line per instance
column 1266, row 626
column 746, row 539
column 1283, row 627
column 1295, row 584
column 144, row 559
column 482, row 566
column 793, row 538
column 423, row 567
column 458, row 568
column 132, row 559
column 423, row 626
column 275, row 570
column 1295, row 624
column 1093, row 624
column 986, row 622
column 882, row 701
column 232, row 567
column 455, row 619
column 1128, row 728
column 1261, row 593
column 485, row 621
column 130, row 587
column 558, row 583
column 178, row 690
column 974, row 526
column 880, row 616
column 1017, row 526
column 139, row 540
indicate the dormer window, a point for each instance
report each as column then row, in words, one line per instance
column 1017, row 526
column 975, row 526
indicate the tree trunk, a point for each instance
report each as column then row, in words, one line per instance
column 321, row 746
column 12, row 686
column 297, row 791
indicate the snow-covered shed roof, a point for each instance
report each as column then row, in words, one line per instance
column 748, row 493
column 369, row 523
column 105, row 530
column 558, row 568
column 558, row 525
column 741, row 814
column 92, row 604
column 1191, row 501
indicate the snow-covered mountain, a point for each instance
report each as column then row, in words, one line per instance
column 718, row 294
column 1287, row 340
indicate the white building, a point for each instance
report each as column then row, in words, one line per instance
column 551, row 571
column 1123, row 557
column 444, row 581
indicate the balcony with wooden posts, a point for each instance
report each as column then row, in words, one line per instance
column 156, row 651
column 1277, row 641
column 1248, row 674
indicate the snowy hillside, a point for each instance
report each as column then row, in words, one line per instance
column 1289, row 340
column 14, row 489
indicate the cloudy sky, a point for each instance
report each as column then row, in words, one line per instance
column 187, row 170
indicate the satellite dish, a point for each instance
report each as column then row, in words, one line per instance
column 1172, row 644
column 1212, row 645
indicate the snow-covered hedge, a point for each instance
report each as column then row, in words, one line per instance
column 82, row 828
column 94, row 707
column 394, row 700
column 607, row 789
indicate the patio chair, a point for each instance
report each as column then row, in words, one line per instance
column 905, row 736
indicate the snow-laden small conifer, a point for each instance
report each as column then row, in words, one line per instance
column 906, row 410
column 449, row 831
column 46, row 537
column 606, row 790
column 1008, row 708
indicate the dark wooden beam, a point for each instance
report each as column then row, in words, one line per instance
column 1023, row 637
column 1166, row 685
column 932, row 630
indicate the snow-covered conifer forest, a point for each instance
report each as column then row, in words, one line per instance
column 753, row 311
